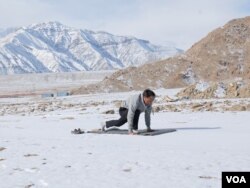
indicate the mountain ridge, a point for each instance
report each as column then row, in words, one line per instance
column 54, row 47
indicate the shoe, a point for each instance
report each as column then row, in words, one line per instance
column 77, row 131
column 103, row 126
column 135, row 131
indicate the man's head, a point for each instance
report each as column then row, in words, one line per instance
column 148, row 97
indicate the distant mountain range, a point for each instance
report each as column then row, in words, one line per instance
column 54, row 47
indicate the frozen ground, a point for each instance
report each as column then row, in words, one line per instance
column 40, row 83
column 38, row 150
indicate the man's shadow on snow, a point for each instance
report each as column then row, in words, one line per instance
column 171, row 130
column 196, row 128
column 155, row 132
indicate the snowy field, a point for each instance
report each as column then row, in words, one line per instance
column 38, row 150
column 39, row 83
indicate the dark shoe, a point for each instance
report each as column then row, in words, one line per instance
column 77, row 131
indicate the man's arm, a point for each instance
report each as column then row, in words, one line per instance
column 148, row 117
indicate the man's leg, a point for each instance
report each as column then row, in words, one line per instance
column 136, row 119
column 117, row 123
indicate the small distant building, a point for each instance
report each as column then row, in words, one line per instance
column 47, row 95
column 62, row 94
column 57, row 94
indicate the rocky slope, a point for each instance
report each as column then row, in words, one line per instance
column 223, row 55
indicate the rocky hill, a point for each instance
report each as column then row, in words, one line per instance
column 223, row 55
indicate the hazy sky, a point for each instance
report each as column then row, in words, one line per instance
column 182, row 22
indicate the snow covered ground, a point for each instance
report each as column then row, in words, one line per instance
column 46, row 82
column 38, row 150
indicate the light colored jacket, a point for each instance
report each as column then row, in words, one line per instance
column 133, row 103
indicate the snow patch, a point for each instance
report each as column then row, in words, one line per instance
column 220, row 92
column 202, row 86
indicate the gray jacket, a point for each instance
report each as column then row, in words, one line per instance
column 133, row 103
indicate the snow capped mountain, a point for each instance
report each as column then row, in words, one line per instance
column 53, row 47
column 5, row 32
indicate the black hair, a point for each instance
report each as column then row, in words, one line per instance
column 148, row 93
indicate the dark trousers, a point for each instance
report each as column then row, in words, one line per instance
column 123, row 119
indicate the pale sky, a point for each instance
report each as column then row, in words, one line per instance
column 181, row 22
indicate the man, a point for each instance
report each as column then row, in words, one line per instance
column 130, row 112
